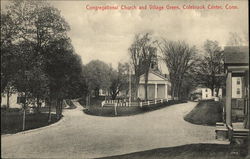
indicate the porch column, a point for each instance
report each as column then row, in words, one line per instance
column 166, row 91
column 229, row 99
column 155, row 90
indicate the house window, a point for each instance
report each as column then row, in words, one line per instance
column 238, row 90
column 238, row 81
column 206, row 90
column 206, row 95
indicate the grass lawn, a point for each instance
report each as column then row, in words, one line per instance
column 205, row 113
column 96, row 109
column 192, row 151
column 11, row 120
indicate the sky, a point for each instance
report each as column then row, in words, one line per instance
column 107, row 35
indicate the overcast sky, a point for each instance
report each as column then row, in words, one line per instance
column 107, row 35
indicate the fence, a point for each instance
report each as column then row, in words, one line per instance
column 116, row 103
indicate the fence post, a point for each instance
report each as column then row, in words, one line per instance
column 148, row 103
column 161, row 100
column 155, row 101
column 141, row 104
column 115, row 108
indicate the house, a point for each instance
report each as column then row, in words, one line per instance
column 103, row 92
column 206, row 93
column 236, row 108
column 158, row 86
column 203, row 93
column 14, row 101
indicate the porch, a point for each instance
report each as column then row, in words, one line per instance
column 236, row 109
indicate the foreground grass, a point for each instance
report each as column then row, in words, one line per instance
column 96, row 109
column 12, row 120
column 205, row 113
column 192, row 151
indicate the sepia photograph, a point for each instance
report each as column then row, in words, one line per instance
column 125, row 79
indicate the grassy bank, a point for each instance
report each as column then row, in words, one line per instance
column 192, row 151
column 205, row 113
column 12, row 120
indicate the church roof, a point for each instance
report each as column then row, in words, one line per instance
column 159, row 74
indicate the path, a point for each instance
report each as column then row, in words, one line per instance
column 85, row 136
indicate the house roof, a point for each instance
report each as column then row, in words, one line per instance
column 236, row 54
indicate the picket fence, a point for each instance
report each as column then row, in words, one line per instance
column 120, row 103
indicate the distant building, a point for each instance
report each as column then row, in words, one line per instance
column 203, row 93
column 206, row 93
column 103, row 92
column 158, row 86
column 14, row 101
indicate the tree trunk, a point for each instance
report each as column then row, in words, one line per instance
column 114, row 95
column 212, row 89
column 8, row 98
column 24, row 111
column 173, row 89
column 137, row 80
column 61, row 107
column 57, row 109
column 97, row 92
column 38, row 104
column 217, row 92
column 49, row 117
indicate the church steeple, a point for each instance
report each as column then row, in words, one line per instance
column 154, row 63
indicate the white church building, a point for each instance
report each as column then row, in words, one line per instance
column 158, row 86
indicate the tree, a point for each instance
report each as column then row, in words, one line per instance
column 142, row 53
column 8, row 55
column 119, row 80
column 46, row 65
column 234, row 39
column 97, row 74
column 210, row 67
column 179, row 57
column 64, row 70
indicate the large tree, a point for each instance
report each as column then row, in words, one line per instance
column 47, row 67
column 8, row 55
column 210, row 67
column 142, row 52
column 97, row 75
column 119, row 80
column 179, row 57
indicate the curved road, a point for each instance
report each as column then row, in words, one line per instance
column 79, row 135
